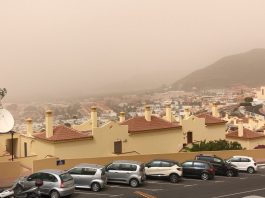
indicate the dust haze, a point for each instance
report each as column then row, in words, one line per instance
column 66, row 48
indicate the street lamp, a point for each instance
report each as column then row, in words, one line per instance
column 12, row 144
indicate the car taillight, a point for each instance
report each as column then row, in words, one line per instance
column 179, row 169
column 62, row 185
column 211, row 170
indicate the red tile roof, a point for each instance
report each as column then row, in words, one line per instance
column 139, row 124
column 247, row 134
column 210, row 120
column 64, row 133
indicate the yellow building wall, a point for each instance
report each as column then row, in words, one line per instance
column 3, row 142
column 101, row 145
column 202, row 132
column 36, row 147
column 156, row 142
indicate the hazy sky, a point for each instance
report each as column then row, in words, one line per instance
column 77, row 47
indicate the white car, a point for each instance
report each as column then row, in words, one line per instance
column 164, row 169
column 244, row 163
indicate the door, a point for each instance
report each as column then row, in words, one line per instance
column 112, row 172
column 125, row 172
column 237, row 162
column 30, row 180
column 188, row 169
column 49, row 181
column 118, row 147
column 189, row 137
column 152, row 168
column 219, row 166
column 165, row 168
column 25, row 149
column 76, row 174
column 87, row 175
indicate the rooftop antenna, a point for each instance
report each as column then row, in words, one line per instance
column 6, row 119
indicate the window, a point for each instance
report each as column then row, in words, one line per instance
column 217, row 160
column 113, row 167
column 89, row 171
column 128, row 167
column 199, row 164
column 187, row 164
column 48, row 177
column 155, row 164
column 235, row 159
column 66, row 177
column 75, row 171
column 34, row 177
column 204, row 158
column 166, row 164
column 245, row 160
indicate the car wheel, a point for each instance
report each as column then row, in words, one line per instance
column 204, row 176
column 134, row 183
column 250, row 170
column 173, row 178
column 229, row 173
column 95, row 187
column 55, row 194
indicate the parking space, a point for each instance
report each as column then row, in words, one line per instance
column 244, row 185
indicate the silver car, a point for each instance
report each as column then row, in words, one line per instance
column 89, row 176
column 126, row 171
column 56, row 183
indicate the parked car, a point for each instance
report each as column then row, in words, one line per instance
column 164, row 169
column 90, row 176
column 221, row 166
column 244, row 163
column 56, row 183
column 198, row 169
column 126, row 171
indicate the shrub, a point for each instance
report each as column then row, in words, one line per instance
column 216, row 145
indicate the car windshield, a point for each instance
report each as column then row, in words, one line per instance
column 66, row 177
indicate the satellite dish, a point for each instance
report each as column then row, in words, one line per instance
column 6, row 121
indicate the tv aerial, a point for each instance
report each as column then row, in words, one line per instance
column 6, row 119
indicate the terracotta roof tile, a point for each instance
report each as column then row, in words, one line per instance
column 210, row 120
column 64, row 133
column 247, row 134
column 139, row 124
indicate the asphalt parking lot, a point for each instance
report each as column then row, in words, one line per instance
column 245, row 185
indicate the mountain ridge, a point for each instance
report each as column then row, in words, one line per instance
column 246, row 68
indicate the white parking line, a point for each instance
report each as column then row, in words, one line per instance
column 190, row 185
column 164, row 183
column 97, row 194
column 148, row 189
column 218, row 181
column 240, row 193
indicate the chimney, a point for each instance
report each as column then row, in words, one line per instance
column 251, row 123
column 122, row 116
column 49, row 124
column 94, row 117
column 168, row 113
column 29, row 127
column 147, row 113
column 186, row 113
column 240, row 128
column 215, row 112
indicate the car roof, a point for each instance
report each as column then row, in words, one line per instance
column 198, row 161
column 165, row 160
column 52, row 171
column 242, row 156
column 86, row 165
column 127, row 162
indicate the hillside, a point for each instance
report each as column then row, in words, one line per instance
column 246, row 68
